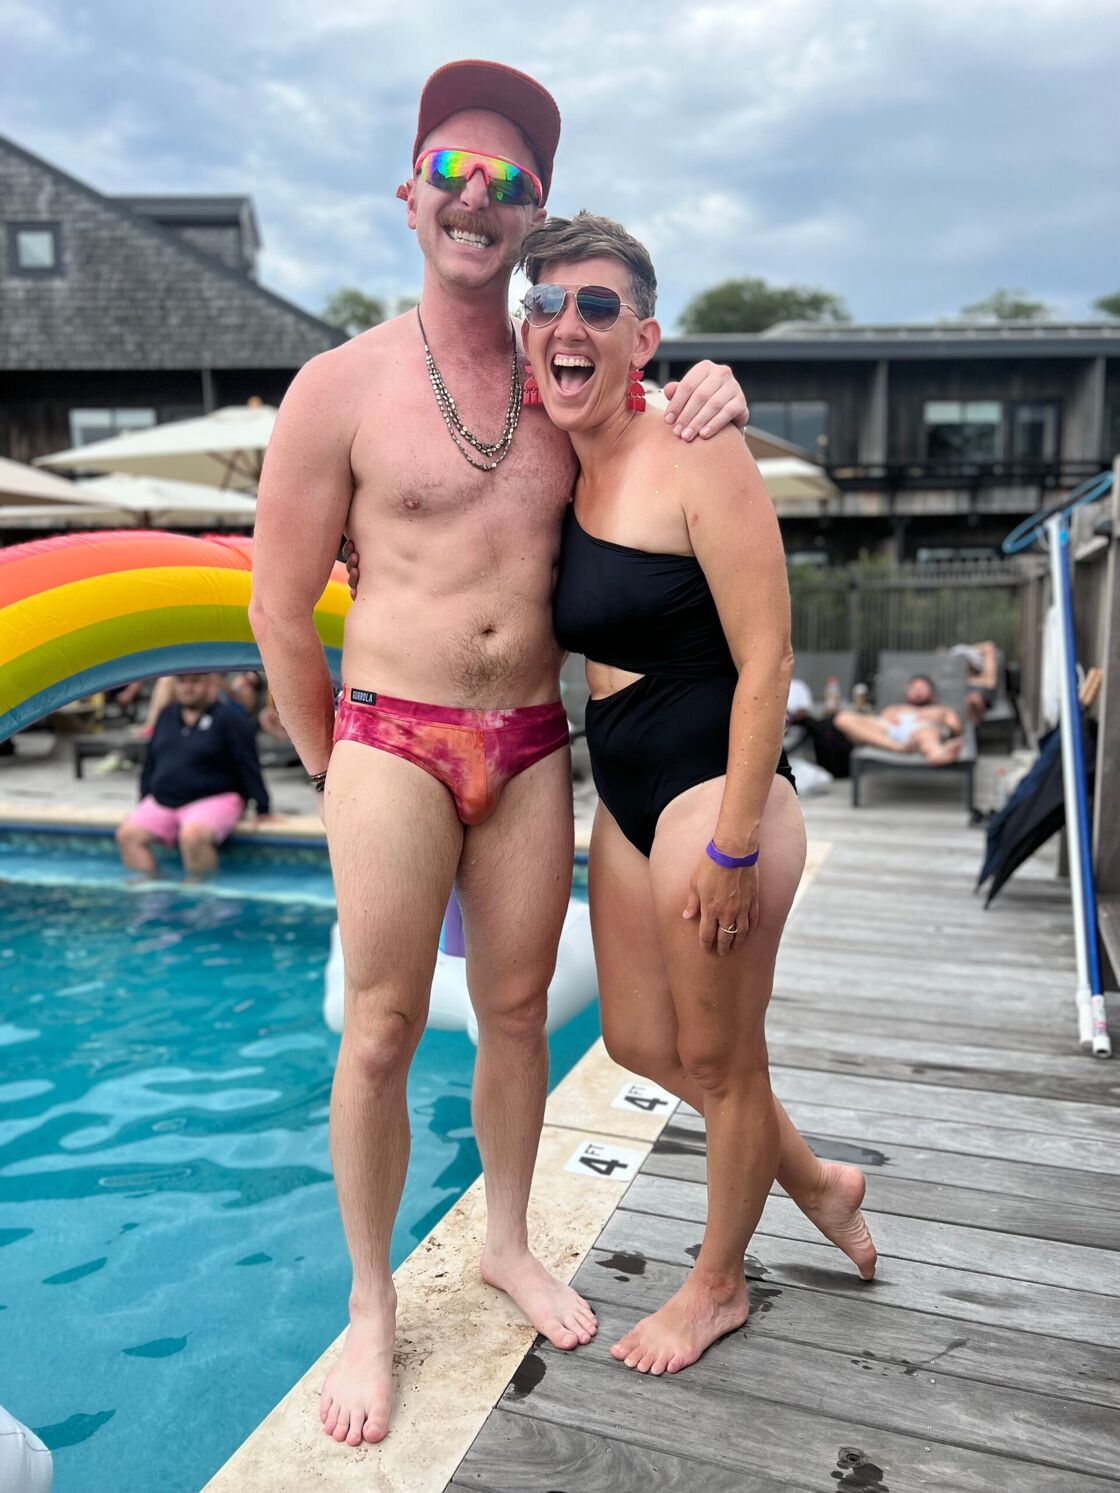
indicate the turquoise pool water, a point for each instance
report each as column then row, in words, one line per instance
column 171, row 1257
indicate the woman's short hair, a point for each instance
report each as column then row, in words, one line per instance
column 588, row 236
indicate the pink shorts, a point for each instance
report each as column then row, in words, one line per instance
column 219, row 814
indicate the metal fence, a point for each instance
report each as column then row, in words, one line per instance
column 871, row 606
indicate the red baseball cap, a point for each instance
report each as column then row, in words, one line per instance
column 500, row 90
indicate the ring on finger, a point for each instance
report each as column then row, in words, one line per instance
column 733, row 929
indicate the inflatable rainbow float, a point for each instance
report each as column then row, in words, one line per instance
column 89, row 612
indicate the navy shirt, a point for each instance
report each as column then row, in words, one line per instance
column 218, row 754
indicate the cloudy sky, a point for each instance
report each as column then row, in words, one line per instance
column 910, row 155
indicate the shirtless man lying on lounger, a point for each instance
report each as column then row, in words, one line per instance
column 920, row 725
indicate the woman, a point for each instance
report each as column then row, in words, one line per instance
column 672, row 582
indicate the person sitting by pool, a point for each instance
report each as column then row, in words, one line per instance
column 672, row 582
column 242, row 691
column 201, row 768
column 919, row 725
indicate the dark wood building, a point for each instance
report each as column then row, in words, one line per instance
column 121, row 312
column 940, row 437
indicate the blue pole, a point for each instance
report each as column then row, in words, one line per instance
column 1081, row 806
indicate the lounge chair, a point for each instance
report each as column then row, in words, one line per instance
column 815, row 670
column 949, row 673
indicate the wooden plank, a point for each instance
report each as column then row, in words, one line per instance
column 961, row 1136
column 522, row 1454
column 898, row 1340
column 955, row 1052
column 1053, row 1184
column 985, row 1417
column 1071, row 1223
column 1081, row 1316
column 762, row 1430
column 854, row 972
column 976, row 1072
column 796, row 1012
column 844, row 927
column 1043, row 1261
column 1048, row 1116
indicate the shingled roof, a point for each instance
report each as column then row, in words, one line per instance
column 130, row 293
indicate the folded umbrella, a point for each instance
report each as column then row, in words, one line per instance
column 1034, row 812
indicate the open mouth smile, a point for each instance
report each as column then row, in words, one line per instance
column 571, row 372
column 466, row 236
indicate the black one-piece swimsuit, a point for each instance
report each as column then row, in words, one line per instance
column 652, row 615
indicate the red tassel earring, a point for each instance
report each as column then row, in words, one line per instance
column 636, row 398
column 530, row 390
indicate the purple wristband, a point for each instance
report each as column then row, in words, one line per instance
column 731, row 862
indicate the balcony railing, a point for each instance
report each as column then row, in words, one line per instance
column 965, row 476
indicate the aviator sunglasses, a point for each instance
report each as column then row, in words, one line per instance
column 597, row 305
column 507, row 182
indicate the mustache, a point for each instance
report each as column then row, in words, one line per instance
column 465, row 222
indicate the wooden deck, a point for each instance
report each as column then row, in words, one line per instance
column 935, row 1044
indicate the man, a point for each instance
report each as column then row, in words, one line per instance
column 920, row 725
column 392, row 438
column 200, row 769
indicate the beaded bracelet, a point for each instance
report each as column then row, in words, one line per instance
column 318, row 780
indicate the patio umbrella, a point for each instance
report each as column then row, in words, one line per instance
column 146, row 502
column 1034, row 812
column 20, row 484
column 790, row 479
column 161, row 502
column 226, row 447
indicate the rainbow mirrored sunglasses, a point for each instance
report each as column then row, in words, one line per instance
column 450, row 170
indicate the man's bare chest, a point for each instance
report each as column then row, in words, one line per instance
column 410, row 467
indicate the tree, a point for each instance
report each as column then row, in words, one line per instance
column 1109, row 304
column 752, row 305
column 352, row 311
column 1007, row 305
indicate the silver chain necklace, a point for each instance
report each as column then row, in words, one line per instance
column 458, row 432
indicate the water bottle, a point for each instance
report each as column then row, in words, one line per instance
column 832, row 695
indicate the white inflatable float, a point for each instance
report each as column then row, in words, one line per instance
column 572, row 990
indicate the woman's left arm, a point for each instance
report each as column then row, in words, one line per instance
column 735, row 536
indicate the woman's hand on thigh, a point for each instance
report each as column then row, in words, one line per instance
column 725, row 901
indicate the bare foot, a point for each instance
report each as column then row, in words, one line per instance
column 836, row 1212
column 687, row 1325
column 357, row 1399
column 554, row 1309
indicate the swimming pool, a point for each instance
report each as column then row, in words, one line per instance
column 171, row 1257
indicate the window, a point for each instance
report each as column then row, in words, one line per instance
column 33, row 249
column 1034, row 431
column 964, row 429
column 99, row 425
column 802, row 421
